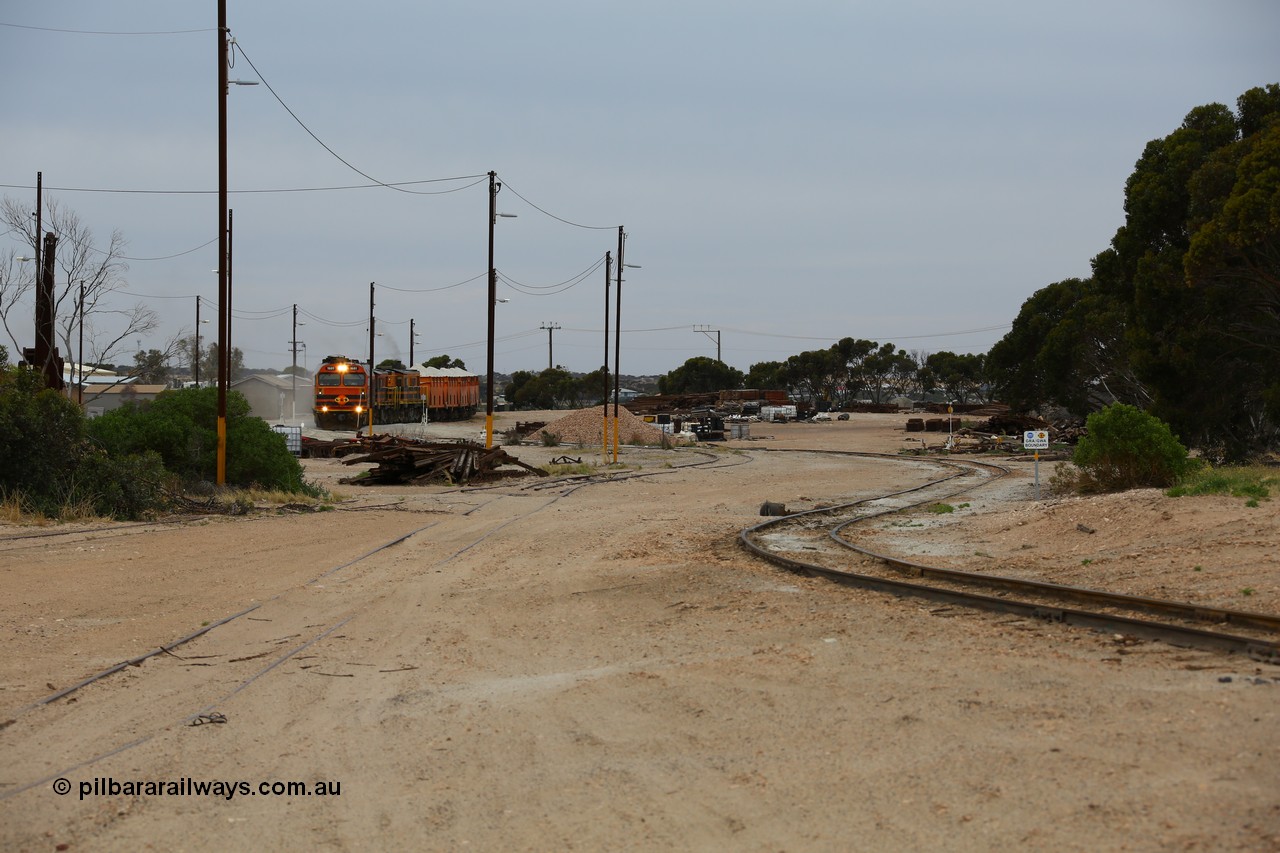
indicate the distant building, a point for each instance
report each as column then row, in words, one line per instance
column 75, row 374
column 271, row 397
column 99, row 399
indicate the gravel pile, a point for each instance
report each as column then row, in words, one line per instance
column 586, row 426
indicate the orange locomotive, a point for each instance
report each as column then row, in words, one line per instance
column 342, row 398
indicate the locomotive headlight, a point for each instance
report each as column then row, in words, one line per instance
column 359, row 409
column 343, row 368
column 324, row 408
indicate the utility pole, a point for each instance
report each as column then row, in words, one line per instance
column 550, row 327
column 294, row 372
column 231, row 268
column 411, row 366
column 608, row 271
column 222, row 238
column 195, row 359
column 707, row 330
column 493, row 295
column 369, row 378
column 39, row 224
column 80, row 360
column 617, row 344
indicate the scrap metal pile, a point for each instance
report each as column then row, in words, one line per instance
column 407, row 461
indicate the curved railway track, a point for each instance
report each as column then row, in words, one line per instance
column 813, row 542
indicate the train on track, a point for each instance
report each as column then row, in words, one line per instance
column 343, row 400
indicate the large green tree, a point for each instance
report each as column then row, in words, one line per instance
column 442, row 361
column 1181, row 315
column 550, row 389
column 959, row 376
column 700, row 374
column 766, row 375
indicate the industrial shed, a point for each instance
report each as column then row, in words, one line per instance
column 99, row 399
column 271, row 397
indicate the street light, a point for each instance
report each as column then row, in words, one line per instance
column 195, row 360
column 369, row 378
column 604, row 402
column 617, row 339
column 80, row 360
column 494, row 188
column 294, row 373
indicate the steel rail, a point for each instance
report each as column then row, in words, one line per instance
column 1185, row 610
column 1174, row 634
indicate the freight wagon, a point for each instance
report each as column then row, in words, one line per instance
column 343, row 399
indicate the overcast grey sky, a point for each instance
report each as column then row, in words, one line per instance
column 788, row 174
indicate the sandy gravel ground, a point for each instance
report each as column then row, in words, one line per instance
column 604, row 668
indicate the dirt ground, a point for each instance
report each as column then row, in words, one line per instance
column 604, row 668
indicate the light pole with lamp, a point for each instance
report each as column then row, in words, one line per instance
column 369, row 379
column 80, row 360
column 294, row 373
column 196, row 355
column 617, row 340
column 604, row 404
column 494, row 188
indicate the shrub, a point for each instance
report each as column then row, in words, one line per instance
column 181, row 426
column 1126, row 448
column 128, row 487
column 44, row 436
column 1253, row 482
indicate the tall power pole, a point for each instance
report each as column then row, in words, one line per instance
column 223, row 309
column 294, row 373
column 608, row 271
column 39, row 224
column 550, row 327
column 369, row 378
column 708, row 331
column 617, row 344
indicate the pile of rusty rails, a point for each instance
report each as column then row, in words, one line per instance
column 407, row 461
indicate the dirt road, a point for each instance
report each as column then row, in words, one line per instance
column 603, row 668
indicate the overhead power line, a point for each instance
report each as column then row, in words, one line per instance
column 106, row 32
column 474, row 178
column 507, row 185
column 322, row 144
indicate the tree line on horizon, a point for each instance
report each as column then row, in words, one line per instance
column 1180, row 316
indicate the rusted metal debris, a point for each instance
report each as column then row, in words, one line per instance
column 410, row 461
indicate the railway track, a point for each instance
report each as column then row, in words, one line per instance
column 209, row 693
column 813, row 542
